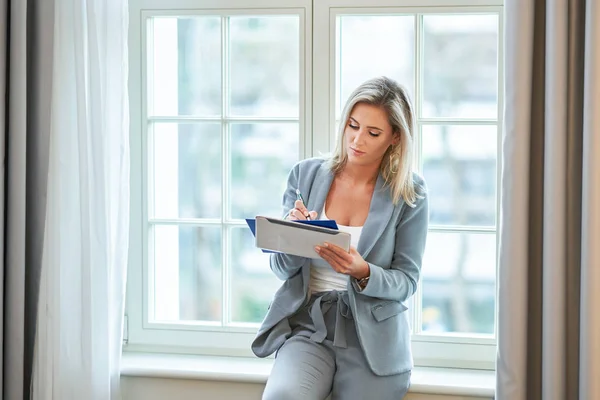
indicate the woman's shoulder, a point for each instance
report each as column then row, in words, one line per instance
column 420, row 191
column 310, row 164
column 417, row 194
column 419, row 183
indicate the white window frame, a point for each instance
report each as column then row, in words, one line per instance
column 317, row 115
column 435, row 350
column 143, row 335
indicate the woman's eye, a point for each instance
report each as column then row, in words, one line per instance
column 353, row 126
column 374, row 134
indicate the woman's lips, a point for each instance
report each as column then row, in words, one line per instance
column 356, row 152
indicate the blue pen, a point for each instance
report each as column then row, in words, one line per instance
column 299, row 197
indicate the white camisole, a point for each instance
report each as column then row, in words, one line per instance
column 323, row 277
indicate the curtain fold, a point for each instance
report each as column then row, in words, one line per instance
column 549, row 278
column 589, row 334
column 25, row 69
column 82, row 291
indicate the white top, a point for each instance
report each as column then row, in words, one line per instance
column 323, row 277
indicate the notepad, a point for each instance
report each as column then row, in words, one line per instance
column 325, row 223
column 297, row 237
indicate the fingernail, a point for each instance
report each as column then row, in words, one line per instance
column 326, row 245
column 317, row 248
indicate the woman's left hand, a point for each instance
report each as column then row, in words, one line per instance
column 349, row 263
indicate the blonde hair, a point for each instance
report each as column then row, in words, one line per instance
column 397, row 164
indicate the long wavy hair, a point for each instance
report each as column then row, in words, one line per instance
column 397, row 164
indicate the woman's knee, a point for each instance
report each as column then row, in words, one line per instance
column 282, row 391
column 300, row 386
column 303, row 370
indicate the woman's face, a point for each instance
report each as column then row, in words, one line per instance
column 368, row 135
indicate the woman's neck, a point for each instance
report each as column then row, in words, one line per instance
column 360, row 175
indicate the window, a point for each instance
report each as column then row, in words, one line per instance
column 226, row 98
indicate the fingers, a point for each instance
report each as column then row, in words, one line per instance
column 296, row 214
column 332, row 260
column 299, row 205
column 300, row 212
column 335, row 256
column 338, row 252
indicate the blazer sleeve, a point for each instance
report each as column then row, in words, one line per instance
column 399, row 282
column 285, row 266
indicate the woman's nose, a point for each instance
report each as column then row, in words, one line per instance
column 359, row 136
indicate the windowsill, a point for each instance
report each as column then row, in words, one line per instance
column 446, row 381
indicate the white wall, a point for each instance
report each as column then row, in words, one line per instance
column 137, row 388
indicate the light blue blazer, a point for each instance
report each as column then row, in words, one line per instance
column 392, row 242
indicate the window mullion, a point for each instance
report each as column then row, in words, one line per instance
column 418, row 162
column 499, row 129
column 462, row 229
column 225, row 129
column 457, row 121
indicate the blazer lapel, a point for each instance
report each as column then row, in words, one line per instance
column 319, row 190
column 380, row 213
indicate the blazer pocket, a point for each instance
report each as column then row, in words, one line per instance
column 387, row 310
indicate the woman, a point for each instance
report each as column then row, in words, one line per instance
column 338, row 322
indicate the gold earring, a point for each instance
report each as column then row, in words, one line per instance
column 394, row 161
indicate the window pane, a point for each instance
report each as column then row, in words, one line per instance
column 187, row 170
column 187, row 273
column 459, row 166
column 460, row 66
column 185, row 67
column 459, row 275
column 252, row 282
column 262, row 155
column 264, row 68
column 370, row 46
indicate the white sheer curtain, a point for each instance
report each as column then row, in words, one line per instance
column 82, row 289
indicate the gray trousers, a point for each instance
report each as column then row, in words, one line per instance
column 323, row 356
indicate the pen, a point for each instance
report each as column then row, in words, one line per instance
column 299, row 197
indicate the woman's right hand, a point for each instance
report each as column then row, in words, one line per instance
column 299, row 212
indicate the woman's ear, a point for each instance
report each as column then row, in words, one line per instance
column 395, row 138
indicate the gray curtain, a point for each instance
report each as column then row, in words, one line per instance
column 549, row 278
column 26, row 31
